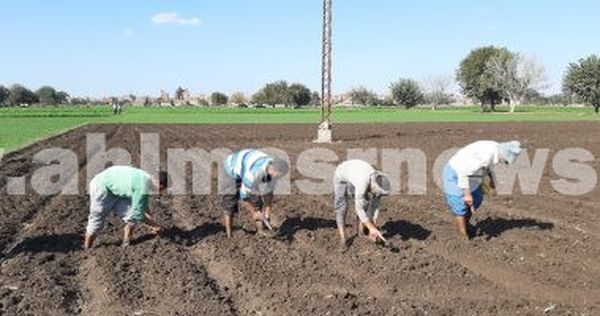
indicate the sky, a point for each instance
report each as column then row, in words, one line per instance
column 116, row 47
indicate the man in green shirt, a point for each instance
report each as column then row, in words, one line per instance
column 123, row 190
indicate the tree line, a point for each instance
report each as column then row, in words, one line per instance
column 492, row 76
column 18, row 95
column 489, row 75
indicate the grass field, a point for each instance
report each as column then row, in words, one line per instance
column 21, row 126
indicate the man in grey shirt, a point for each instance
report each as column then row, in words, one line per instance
column 359, row 178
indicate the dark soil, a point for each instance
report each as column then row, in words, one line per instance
column 532, row 253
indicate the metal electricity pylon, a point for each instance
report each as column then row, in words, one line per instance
column 324, row 131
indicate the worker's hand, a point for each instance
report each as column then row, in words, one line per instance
column 157, row 230
column 268, row 220
column 375, row 234
column 468, row 199
column 257, row 216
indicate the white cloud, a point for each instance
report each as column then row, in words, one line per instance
column 174, row 18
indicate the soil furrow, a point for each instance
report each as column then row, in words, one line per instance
column 477, row 257
column 530, row 253
column 23, row 218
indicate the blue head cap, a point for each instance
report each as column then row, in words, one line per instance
column 509, row 151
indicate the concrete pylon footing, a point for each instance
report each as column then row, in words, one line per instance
column 324, row 133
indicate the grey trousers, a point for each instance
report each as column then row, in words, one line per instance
column 342, row 192
column 102, row 203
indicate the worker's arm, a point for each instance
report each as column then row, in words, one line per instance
column 139, row 201
column 464, row 182
column 375, row 202
column 468, row 197
column 492, row 179
column 142, row 213
column 268, row 205
column 361, row 205
column 139, row 206
column 255, row 213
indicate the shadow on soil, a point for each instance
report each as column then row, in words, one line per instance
column 494, row 227
column 406, row 230
column 291, row 226
column 62, row 243
column 191, row 237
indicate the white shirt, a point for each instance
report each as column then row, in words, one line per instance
column 474, row 162
column 358, row 173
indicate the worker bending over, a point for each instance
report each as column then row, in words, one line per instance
column 251, row 179
column 359, row 178
column 123, row 190
column 465, row 173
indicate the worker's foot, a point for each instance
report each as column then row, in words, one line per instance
column 343, row 245
column 465, row 236
column 372, row 237
column 343, row 248
column 125, row 244
column 259, row 226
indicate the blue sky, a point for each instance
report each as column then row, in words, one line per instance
column 115, row 47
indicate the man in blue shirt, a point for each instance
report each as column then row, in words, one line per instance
column 251, row 178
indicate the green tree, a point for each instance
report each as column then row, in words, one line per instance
column 81, row 101
column 179, row 93
column 259, row 98
column 272, row 94
column 315, row 98
column 363, row 96
column 474, row 79
column 299, row 95
column 583, row 81
column 147, row 102
column 4, row 94
column 131, row 98
column 406, row 92
column 46, row 95
column 21, row 95
column 62, row 97
column 218, row 98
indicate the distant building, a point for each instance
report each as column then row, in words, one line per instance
column 345, row 100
